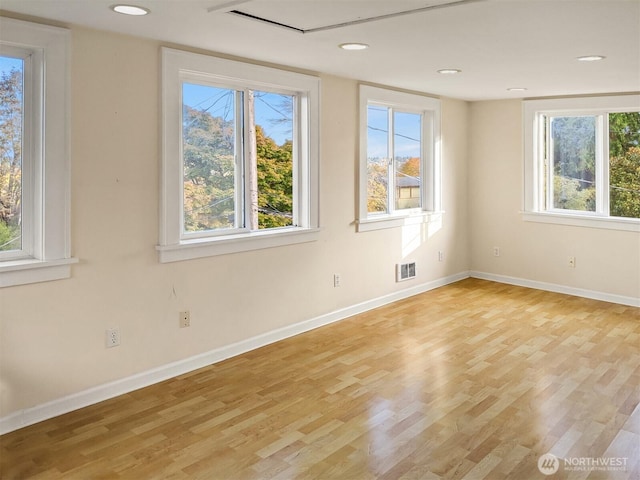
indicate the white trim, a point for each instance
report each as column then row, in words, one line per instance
column 60, row 406
column 582, row 220
column 29, row 416
column 22, row 272
column 553, row 287
column 223, row 245
column 389, row 221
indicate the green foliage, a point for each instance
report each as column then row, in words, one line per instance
column 9, row 235
column 624, row 179
column 624, row 164
column 574, row 163
column 209, row 175
column 10, row 159
column 574, row 148
column 275, row 182
column 568, row 194
column 377, row 187
column 624, row 132
column 209, row 171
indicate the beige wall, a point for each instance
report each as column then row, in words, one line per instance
column 52, row 337
column 607, row 261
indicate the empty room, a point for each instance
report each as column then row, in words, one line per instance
column 320, row 239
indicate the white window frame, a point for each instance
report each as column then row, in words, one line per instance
column 46, row 237
column 430, row 168
column 176, row 67
column 534, row 200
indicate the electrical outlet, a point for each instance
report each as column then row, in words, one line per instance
column 440, row 256
column 572, row 262
column 185, row 319
column 337, row 281
column 113, row 337
column 496, row 251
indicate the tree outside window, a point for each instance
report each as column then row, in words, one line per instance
column 11, row 122
column 594, row 163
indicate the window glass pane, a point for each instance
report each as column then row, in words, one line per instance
column 377, row 158
column 11, row 138
column 209, row 133
column 274, row 117
column 406, row 152
column 573, row 160
column 624, row 164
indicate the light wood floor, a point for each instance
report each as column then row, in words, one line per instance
column 474, row 380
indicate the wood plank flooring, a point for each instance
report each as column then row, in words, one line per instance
column 474, row 380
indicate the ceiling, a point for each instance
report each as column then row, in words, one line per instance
column 498, row 44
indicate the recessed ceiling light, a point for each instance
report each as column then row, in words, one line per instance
column 517, row 89
column 591, row 58
column 353, row 46
column 130, row 10
column 449, row 71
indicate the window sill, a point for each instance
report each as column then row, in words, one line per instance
column 224, row 245
column 394, row 221
column 577, row 220
column 22, row 272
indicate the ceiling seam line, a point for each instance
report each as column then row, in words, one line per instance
column 390, row 15
column 353, row 22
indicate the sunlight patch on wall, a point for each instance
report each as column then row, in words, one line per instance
column 412, row 237
column 415, row 234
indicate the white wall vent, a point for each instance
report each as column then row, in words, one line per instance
column 405, row 271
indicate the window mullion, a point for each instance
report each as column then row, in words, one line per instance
column 250, row 163
column 239, row 154
column 602, row 164
column 391, row 170
column 31, row 196
column 548, row 163
column 429, row 167
column 33, row 162
column 300, row 170
column 541, row 161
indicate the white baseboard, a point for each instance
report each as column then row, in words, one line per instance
column 106, row 391
column 552, row 287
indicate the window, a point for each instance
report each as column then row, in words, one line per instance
column 240, row 157
column 399, row 145
column 12, row 107
column 34, row 153
column 582, row 161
